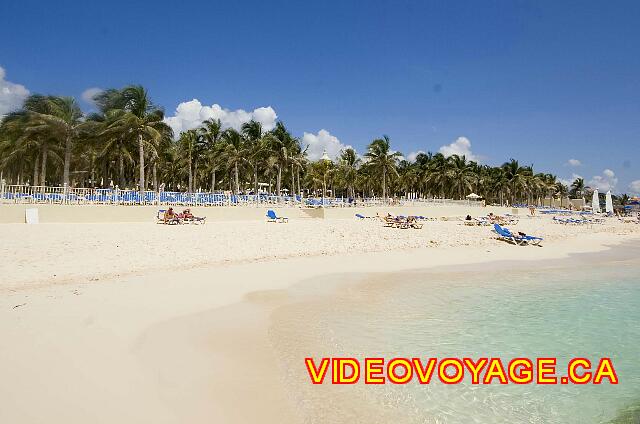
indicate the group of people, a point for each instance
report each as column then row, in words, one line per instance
column 171, row 217
column 490, row 219
column 401, row 221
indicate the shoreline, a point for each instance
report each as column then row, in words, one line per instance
column 133, row 342
column 236, row 371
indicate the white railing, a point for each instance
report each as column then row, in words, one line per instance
column 115, row 196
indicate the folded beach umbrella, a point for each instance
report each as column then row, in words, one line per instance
column 595, row 202
column 609, row 203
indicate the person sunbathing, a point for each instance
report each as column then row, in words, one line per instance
column 189, row 217
column 170, row 216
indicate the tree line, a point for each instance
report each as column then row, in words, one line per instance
column 50, row 141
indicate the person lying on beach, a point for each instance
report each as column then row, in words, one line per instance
column 187, row 216
column 495, row 218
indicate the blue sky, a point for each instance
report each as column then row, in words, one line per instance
column 540, row 81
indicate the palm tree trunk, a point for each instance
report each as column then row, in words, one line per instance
column 36, row 163
column 278, row 181
column 190, row 174
column 141, row 161
column 155, row 175
column 43, row 170
column 255, row 179
column 67, row 160
column 237, row 180
column 121, row 180
column 148, row 173
column 298, row 175
column 213, row 180
column 293, row 182
column 384, row 184
column 195, row 174
column 324, row 188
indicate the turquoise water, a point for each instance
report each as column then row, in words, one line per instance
column 589, row 310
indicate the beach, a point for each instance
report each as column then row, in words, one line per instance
column 138, row 322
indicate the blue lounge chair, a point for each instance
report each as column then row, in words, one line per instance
column 360, row 216
column 272, row 217
column 518, row 239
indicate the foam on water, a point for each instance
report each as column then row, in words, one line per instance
column 588, row 311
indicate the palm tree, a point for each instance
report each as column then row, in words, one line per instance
column 211, row 133
column 144, row 121
column 256, row 146
column 578, row 187
column 21, row 145
column 516, row 177
column 281, row 143
column 622, row 200
column 111, row 144
column 383, row 160
column 409, row 177
column 461, row 174
column 235, row 153
column 299, row 161
column 320, row 173
column 47, row 121
column 61, row 121
column 188, row 144
column 348, row 170
column 562, row 191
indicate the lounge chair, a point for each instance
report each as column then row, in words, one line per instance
column 394, row 222
column 416, row 225
column 389, row 221
column 160, row 216
column 193, row 219
column 505, row 234
column 272, row 217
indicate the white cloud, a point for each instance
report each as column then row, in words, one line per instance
column 411, row 157
column 605, row 182
column 569, row 181
column 88, row 94
column 191, row 114
column 634, row 186
column 11, row 95
column 320, row 142
column 460, row 147
column 573, row 162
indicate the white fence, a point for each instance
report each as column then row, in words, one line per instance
column 115, row 196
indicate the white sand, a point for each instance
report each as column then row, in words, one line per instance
column 80, row 305
column 61, row 253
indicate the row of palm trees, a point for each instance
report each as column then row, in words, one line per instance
column 49, row 141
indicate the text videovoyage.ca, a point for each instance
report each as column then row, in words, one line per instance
column 344, row 370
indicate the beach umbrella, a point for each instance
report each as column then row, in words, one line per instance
column 609, row 203
column 473, row 196
column 595, row 202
